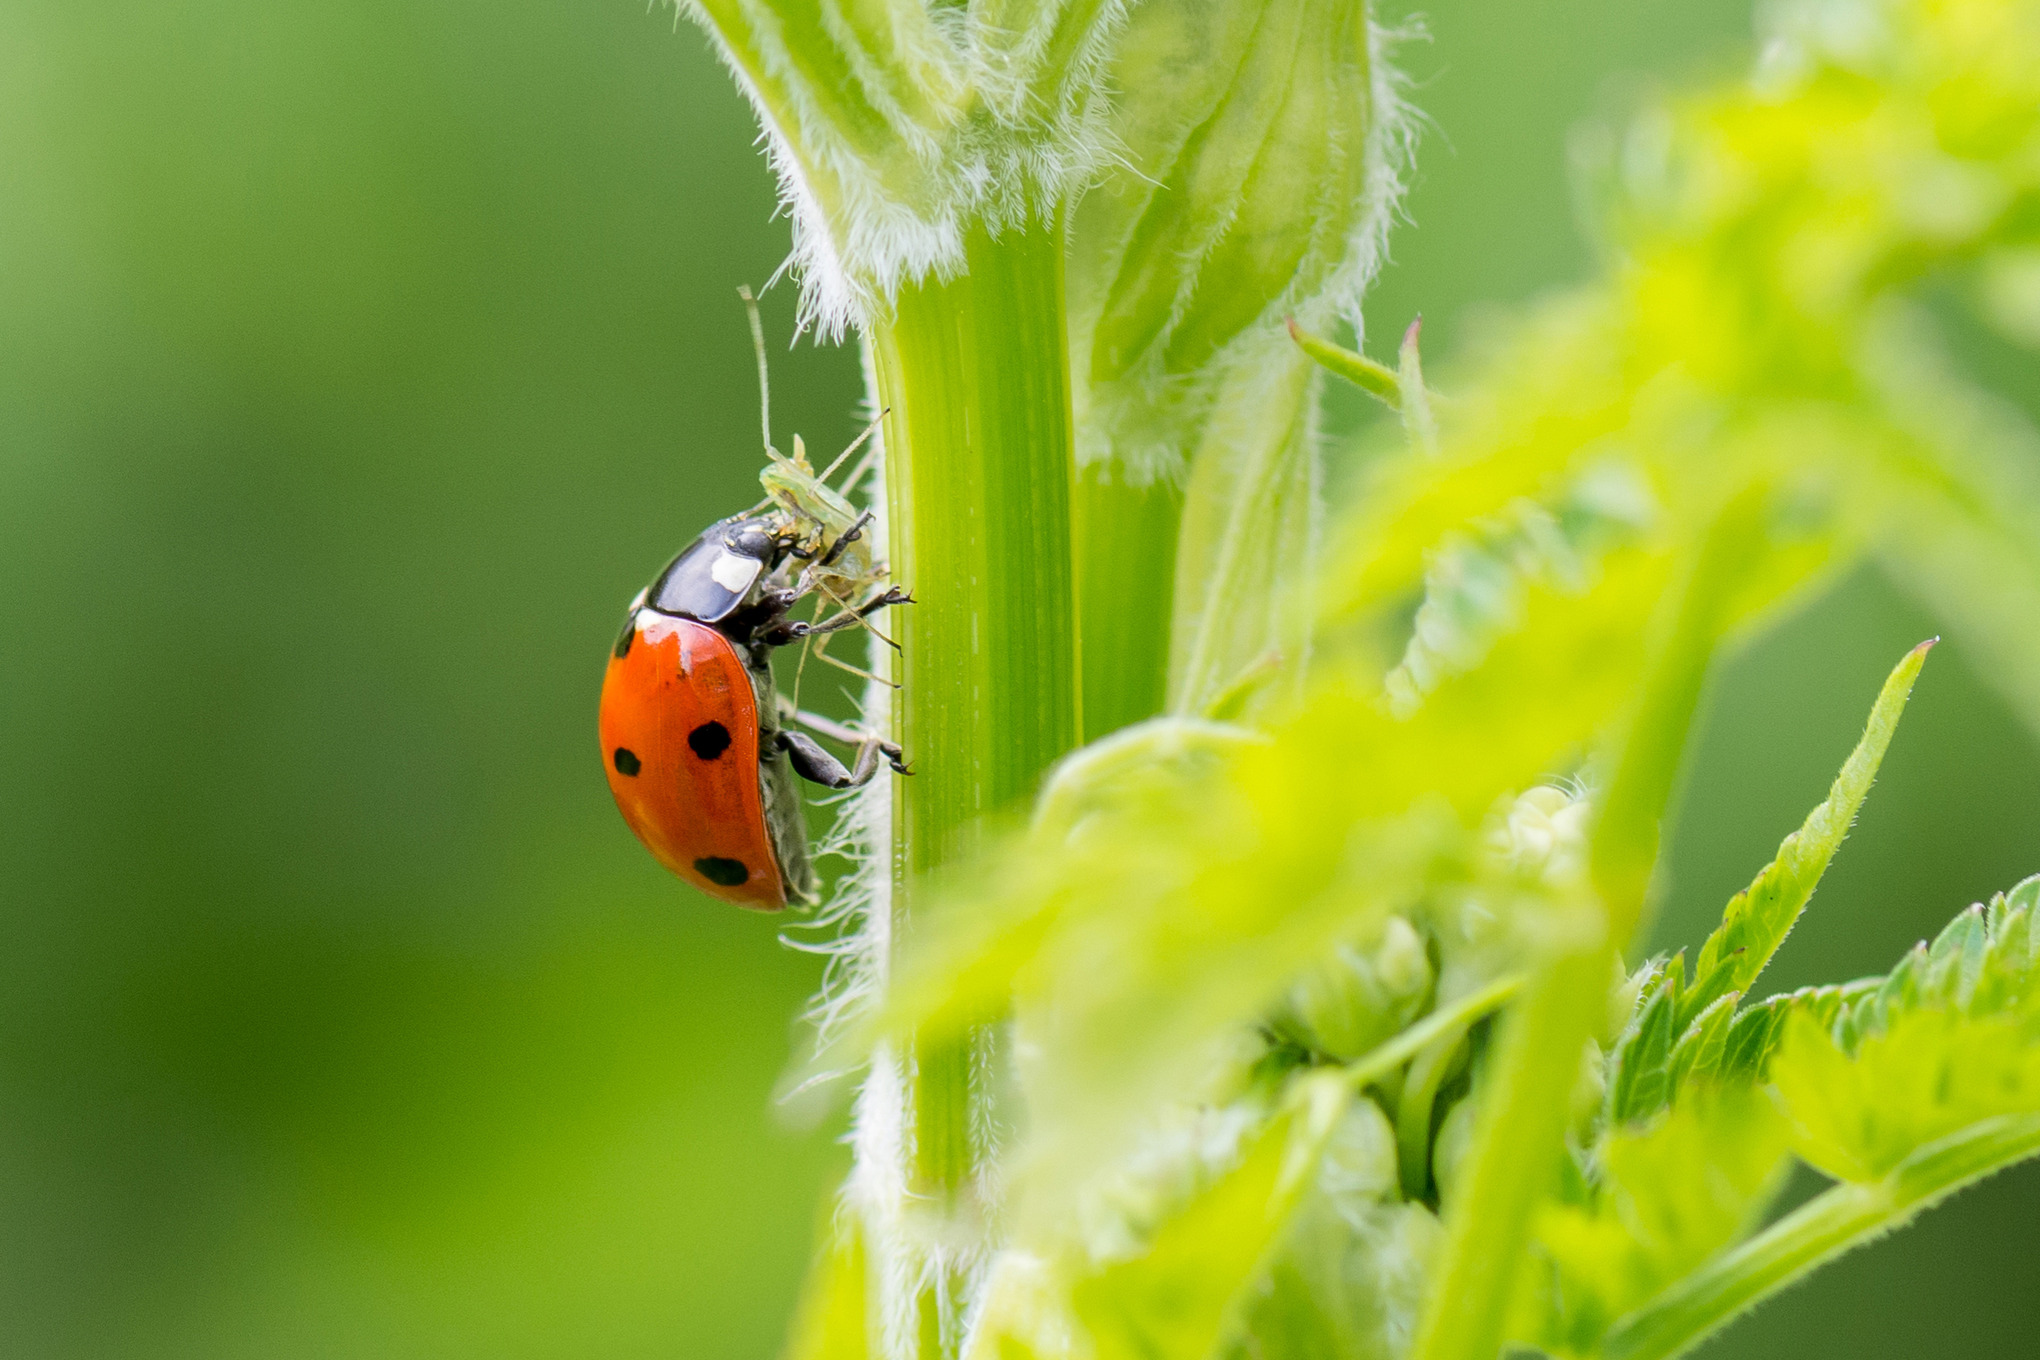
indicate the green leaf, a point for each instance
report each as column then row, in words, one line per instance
column 1640, row 1078
column 1348, row 1284
column 831, row 1321
column 1929, row 1073
column 1682, row 1029
column 1904, row 1087
column 1259, row 178
column 1701, row 1055
column 1186, row 1291
column 1758, row 919
column 1376, row 380
column 1243, row 559
column 1839, row 1220
column 1670, row 1194
column 1349, row 1277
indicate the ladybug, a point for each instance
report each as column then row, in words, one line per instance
column 697, row 744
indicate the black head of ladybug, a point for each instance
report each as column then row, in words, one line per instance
column 717, row 573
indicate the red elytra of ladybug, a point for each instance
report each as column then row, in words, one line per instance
column 697, row 755
column 694, row 741
column 679, row 725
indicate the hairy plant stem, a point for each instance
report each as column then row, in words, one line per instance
column 973, row 373
column 1841, row 1218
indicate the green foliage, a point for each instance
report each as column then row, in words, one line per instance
column 1878, row 1081
column 1428, row 772
column 1178, row 1294
column 1666, row 1196
column 1683, row 1027
column 1905, row 1088
column 1946, row 1041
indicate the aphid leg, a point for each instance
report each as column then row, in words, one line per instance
column 854, row 670
column 857, row 473
column 886, row 598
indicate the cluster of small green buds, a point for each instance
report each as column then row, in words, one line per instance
column 1362, row 995
column 1190, row 1147
column 1543, row 834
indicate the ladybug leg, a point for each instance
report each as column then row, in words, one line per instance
column 812, row 763
column 856, row 618
column 780, row 631
column 846, row 538
column 891, row 595
column 817, row 766
column 849, row 736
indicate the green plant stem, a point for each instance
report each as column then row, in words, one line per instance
column 1843, row 1217
column 1126, row 576
column 1376, row 380
column 1458, row 1015
column 974, row 374
column 1524, row 1113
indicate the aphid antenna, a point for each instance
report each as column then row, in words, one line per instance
column 864, row 465
column 764, row 371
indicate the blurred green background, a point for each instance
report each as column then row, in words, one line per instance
column 357, row 362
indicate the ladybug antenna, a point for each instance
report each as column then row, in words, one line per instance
column 764, row 374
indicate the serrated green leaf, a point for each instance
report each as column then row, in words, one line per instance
column 1702, row 1051
column 1950, row 1038
column 1754, row 1035
column 1671, row 1193
column 2012, row 955
column 1640, row 1084
column 1930, row 1074
column 1758, row 919
column 1841, row 1218
column 1955, row 959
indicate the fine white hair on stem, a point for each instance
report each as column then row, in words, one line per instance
column 989, row 128
column 853, row 929
column 1146, row 422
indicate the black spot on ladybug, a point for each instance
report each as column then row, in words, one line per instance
column 727, row 873
column 626, row 637
column 708, row 741
column 626, row 761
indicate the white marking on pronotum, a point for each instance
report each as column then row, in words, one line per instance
column 734, row 572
